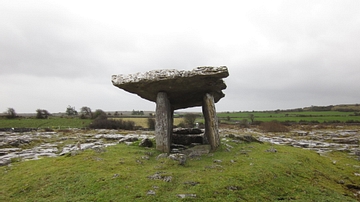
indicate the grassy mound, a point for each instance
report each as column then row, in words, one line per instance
column 245, row 172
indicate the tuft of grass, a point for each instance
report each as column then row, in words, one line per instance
column 248, row 172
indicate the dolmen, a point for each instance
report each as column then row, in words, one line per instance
column 174, row 89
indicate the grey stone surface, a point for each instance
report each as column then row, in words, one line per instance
column 80, row 141
column 321, row 141
column 184, row 88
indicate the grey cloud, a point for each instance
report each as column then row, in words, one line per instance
column 279, row 54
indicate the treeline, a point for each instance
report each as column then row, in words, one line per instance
column 339, row 108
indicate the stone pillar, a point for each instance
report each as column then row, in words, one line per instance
column 211, row 122
column 163, row 122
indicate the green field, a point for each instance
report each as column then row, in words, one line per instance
column 225, row 117
column 307, row 116
column 52, row 123
column 143, row 122
column 65, row 122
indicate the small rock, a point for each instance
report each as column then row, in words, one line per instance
column 4, row 162
column 178, row 157
column 115, row 175
column 167, row 178
column 145, row 157
column 182, row 160
column 129, row 139
column 217, row 161
column 174, row 157
column 146, row 143
column 191, row 183
column 341, row 182
column 156, row 176
column 151, row 192
column 232, row 188
column 161, row 156
column 230, row 135
column 273, row 150
column 186, row 196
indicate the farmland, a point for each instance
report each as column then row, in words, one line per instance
column 52, row 123
column 304, row 116
column 225, row 117
column 344, row 114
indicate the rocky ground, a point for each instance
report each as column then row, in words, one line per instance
column 32, row 145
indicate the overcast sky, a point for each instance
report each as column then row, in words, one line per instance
column 280, row 54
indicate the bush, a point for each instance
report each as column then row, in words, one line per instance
column 112, row 124
column 352, row 121
column 189, row 120
column 257, row 123
column 11, row 114
column 99, row 114
column 273, row 126
column 42, row 114
column 151, row 123
column 244, row 123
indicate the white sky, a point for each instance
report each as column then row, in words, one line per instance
column 280, row 54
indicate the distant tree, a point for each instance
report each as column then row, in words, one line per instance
column 10, row 113
column 189, row 120
column 137, row 112
column 86, row 112
column 70, row 111
column 99, row 114
column 42, row 114
column 252, row 117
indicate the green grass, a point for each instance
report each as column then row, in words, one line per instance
column 74, row 122
column 320, row 116
column 52, row 122
column 143, row 122
column 120, row 174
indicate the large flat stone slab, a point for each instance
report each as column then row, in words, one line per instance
column 184, row 88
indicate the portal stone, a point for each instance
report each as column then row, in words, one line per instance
column 163, row 123
column 211, row 122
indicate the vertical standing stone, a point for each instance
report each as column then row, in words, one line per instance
column 211, row 122
column 163, row 122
